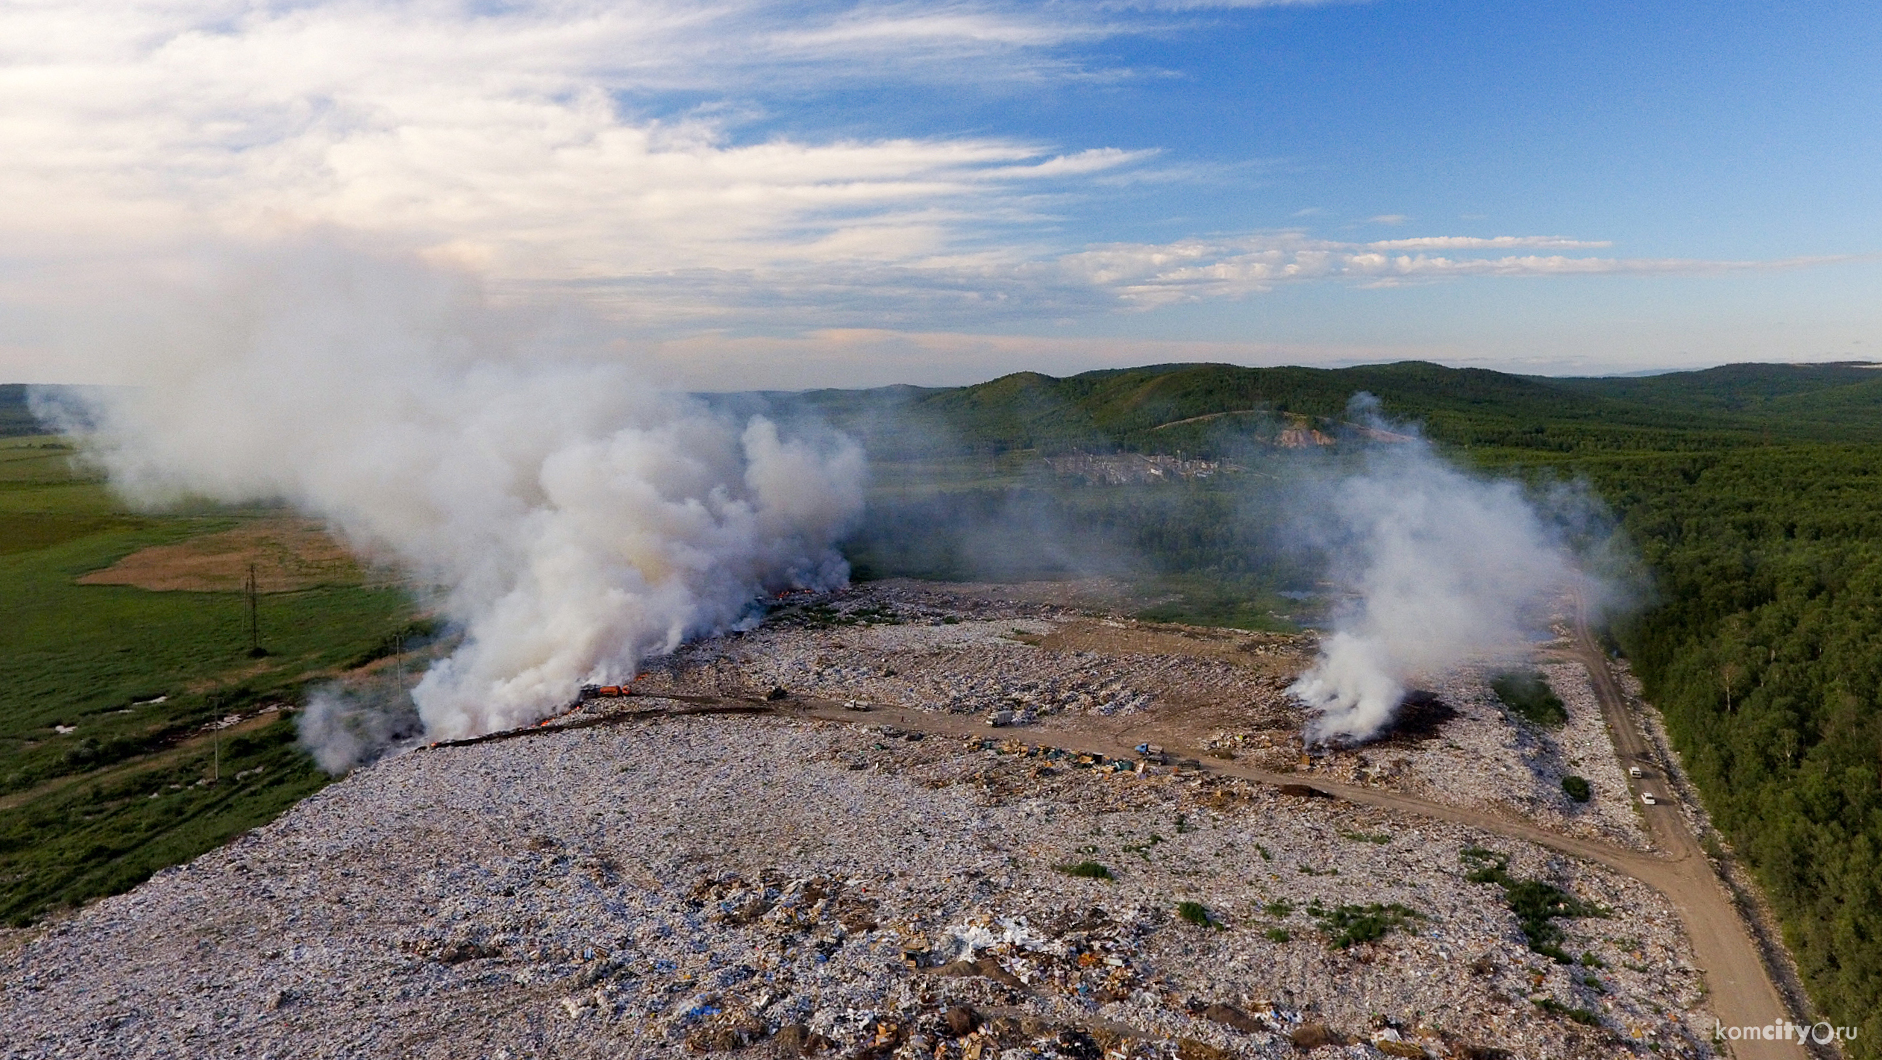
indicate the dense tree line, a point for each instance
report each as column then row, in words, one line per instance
column 1047, row 527
column 1763, row 648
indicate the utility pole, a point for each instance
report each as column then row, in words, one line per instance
column 255, row 650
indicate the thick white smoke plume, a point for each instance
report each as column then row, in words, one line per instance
column 577, row 519
column 1443, row 567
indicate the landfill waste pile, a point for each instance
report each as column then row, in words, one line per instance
column 1031, row 655
column 810, row 840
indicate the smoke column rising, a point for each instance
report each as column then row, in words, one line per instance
column 576, row 519
column 1444, row 567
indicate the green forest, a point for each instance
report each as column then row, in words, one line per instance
column 1764, row 651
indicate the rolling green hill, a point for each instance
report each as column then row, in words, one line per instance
column 1823, row 402
column 1728, row 388
column 1212, row 408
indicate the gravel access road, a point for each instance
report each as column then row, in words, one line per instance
column 1743, row 991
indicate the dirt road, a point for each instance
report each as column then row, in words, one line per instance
column 1743, row 993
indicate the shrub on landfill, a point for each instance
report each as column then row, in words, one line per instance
column 1089, row 870
column 1196, row 913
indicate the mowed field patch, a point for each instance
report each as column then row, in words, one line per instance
column 286, row 554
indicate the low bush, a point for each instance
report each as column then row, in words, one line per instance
column 1088, row 870
column 1195, row 913
column 1579, row 1015
column 1537, row 904
column 1347, row 925
column 1527, row 694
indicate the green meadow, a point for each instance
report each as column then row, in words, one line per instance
column 107, row 770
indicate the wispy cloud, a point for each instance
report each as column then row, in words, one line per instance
column 999, row 284
column 1193, row 270
column 1487, row 243
column 897, row 28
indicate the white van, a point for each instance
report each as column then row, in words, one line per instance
column 1634, row 771
column 1647, row 797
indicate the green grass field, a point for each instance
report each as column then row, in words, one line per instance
column 95, row 809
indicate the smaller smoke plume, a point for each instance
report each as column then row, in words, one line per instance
column 344, row 727
column 1443, row 567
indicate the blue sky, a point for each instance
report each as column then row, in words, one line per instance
column 1665, row 119
column 854, row 194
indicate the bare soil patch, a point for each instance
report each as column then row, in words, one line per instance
column 1264, row 652
column 287, row 554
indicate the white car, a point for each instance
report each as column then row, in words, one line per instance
column 1647, row 797
column 1634, row 771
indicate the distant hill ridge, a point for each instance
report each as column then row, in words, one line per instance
column 1186, row 406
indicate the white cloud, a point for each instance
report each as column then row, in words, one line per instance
column 497, row 139
column 600, row 153
column 1487, row 243
column 1192, row 270
column 899, row 28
